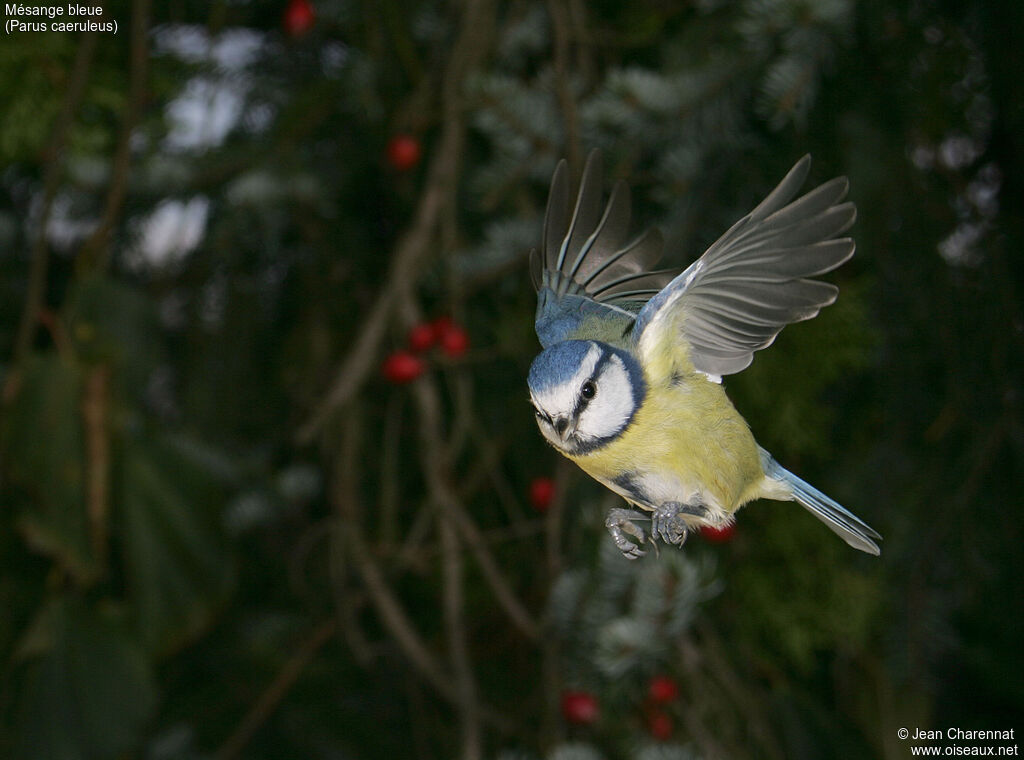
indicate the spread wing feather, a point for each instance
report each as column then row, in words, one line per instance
column 586, row 255
column 754, row 280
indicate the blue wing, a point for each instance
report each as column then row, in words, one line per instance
column 753, row 281
column 586, row 272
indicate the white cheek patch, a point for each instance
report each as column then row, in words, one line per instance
column 560, row 400
column 612, row 406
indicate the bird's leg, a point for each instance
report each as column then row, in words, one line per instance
column 667, row 522
column 620, row 523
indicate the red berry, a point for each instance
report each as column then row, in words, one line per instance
column 299, row 16
column 422, row 337
column 579, row 707
column 542, row 491
column 719, row 535
column 659, row 725
column 454, row 341
column 662, row 689
column 402, row 367
column 403, row 152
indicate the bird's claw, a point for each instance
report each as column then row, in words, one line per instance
column 620, row 525
column 668, row 524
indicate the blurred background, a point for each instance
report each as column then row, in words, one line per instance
column 271, row 485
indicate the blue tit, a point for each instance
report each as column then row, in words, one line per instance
column 628, row 385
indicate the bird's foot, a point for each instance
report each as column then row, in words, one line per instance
column 668, row 524
column 620, row 524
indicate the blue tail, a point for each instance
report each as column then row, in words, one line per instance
column 842, row 522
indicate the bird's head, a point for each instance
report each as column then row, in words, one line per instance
column 585, row 394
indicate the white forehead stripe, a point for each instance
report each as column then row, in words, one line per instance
column 561, row 399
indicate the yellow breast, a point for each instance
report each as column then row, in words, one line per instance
column 686, row 440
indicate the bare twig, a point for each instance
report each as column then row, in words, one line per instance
column 709, row 651
column 389, row 608
column 348, row 606
column 95, row 409
column 550, row 646
column 95, row 251
column 455, row 625
column 58, row 334
column 579, row 31
column 414, row 246
column 401, row 629
column 411, row 557
column 489, row 453
column 435, row 219
column 437, row 472
column 40, row 260
column 470, row 533
column 268, row 701
column 559, row 12
column 406, row 262
column 387, row 502
column 410, row 552
column 350, row 541
column 391, row 613
column 435, row 453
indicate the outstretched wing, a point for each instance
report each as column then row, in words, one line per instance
column 585, row 269
column 753, row 281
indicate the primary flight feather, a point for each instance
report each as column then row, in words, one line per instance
column 629, row 383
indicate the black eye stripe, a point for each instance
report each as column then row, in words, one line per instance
column 583, row 399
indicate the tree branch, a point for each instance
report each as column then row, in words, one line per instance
column 95, row 251
column 95, row 409
column 272, row 696
column 349, row 532
column 384, row 601
column 411, row 252
column 455, row 624
column 559, row 12
column 40, row 261
column 436, row 470
column 516, row 612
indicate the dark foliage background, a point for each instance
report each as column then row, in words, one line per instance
column 224, row 533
